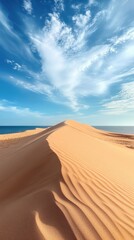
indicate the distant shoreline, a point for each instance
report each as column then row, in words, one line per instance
column 117, row 129
column 18, row 129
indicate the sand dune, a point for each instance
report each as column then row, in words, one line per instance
column 68, row 182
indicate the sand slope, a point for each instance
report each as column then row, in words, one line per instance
column 67, row 182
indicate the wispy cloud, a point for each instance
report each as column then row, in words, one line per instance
column 119, row 19
column 4, row 21
column 9, row 37
column 36, row 86
column 126, row 36
column 59, row 5
column 27, row 116
column 15, row 65
column 81, row 20
column 7, row 106
column 76, row 6
column 86, row 70
column 81, row 57
column 27, row 4
column 121, row 103
column 64, row 56
column 92, row 2
column 56, row 45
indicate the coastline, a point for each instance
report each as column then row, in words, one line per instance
column 22, row 134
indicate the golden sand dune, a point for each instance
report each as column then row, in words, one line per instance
column 67, row 182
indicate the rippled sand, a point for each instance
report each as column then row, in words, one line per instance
column 67, row 182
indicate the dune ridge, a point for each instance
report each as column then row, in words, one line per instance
column 67, row 182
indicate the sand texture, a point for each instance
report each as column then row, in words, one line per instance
column 67, row 182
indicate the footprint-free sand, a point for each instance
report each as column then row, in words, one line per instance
column 67, row 182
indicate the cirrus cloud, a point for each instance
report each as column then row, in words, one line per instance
column 80, row 57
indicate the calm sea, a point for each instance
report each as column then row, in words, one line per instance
column 15, row 129
column 117, row 129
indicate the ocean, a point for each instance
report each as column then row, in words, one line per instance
column 16, row 129
column 117, row 129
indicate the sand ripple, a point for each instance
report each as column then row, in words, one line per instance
column 66, row 183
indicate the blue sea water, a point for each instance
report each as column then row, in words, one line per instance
column 117, row 129
column 16, row 129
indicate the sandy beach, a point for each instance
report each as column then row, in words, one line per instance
column 70, row 181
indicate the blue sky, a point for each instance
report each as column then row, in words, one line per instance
column 66, row 59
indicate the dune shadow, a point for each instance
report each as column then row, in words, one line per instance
column 37, row 175
column 49, row 215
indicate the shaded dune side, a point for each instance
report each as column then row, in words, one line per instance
column 27, row 201
column 64, row 184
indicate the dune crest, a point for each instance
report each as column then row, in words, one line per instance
column 68, row 182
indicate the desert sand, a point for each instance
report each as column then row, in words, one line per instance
column 70, row 181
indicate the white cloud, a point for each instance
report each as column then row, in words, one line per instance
column 82, row 19
column 53, row 45
column 37, row 87
column 119, row 14
column 76, row 63
column 59, row 49
column 25, row 112
column 128, row 35
column 76, row 6
column 123, row 102
column 4, row 21
column 25, row 116
column 9, row 61
column 72, row 68
column 59, row 5
column 15, row 65
column 27, row 4
column 92, row 2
